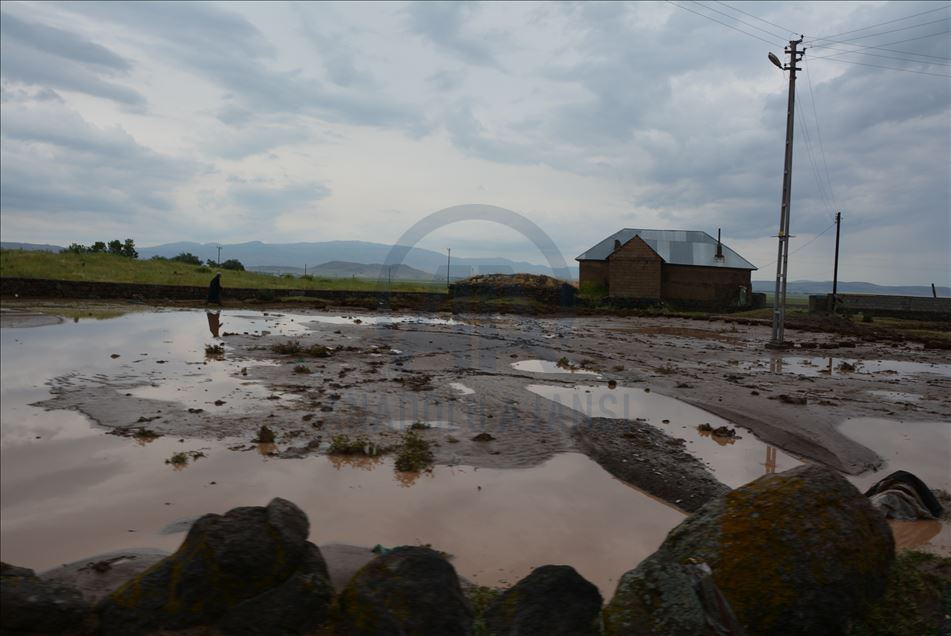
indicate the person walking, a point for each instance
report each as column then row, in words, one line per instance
column 214, row 290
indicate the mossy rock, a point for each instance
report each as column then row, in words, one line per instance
column 554, row 600
column 224, row 561
column 799, row 552
column 410, row 590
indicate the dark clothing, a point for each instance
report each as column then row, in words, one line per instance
column 214, row 290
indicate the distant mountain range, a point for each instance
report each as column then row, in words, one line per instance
column 363, row 259
column 342, row 269
column 31, row 247
column 284, row 256
column 806, row 287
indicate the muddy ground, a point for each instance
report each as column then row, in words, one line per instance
column 380, row 376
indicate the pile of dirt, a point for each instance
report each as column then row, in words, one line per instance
column 544, row 289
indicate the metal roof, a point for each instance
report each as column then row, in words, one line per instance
column 677, row 247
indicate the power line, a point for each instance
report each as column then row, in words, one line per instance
column 883, row 45
column 887, row 57
column 875, row 35
column 754, row 17
column 812, row 160
column 888, row 68
column 913, row 15
column 729, row 26
column 822, row 150
column 743, row 22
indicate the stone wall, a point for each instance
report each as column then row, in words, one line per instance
column 634, row 271
column 922, row 307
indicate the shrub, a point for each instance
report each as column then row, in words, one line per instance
column 187, row 257
column 345, row 445
column 233, row 264
column 415, row 454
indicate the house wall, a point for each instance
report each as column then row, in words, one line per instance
column 716, row 286
column 634, row 271
column 593, row 274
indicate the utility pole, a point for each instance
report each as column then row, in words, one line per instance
column 835, row 268
column 448, row 264
column 219, row 256
column 782, row 260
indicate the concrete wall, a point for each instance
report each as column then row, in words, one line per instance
column 880, row 305
column 593, row 273
column 634, row 271
column 716, row 286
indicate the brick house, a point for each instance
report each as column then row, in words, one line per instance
column 687, row 268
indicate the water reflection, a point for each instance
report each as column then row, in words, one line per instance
column 214, row 322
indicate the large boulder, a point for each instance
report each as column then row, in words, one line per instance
column 298, row 605
column 225, row 561
column 800, row 552
column 410, row 590
column 554, row 600
column 30, row 605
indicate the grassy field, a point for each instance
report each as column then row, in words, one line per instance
column 117, row 269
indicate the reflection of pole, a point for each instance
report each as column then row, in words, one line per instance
column 782, row 260
column 770, row 464
column 835, row 268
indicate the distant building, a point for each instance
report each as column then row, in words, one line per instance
column 689, row 268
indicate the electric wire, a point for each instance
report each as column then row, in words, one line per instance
column 754, row 17
column 872, row 26
column 822, row 150
column 881, row 46
column 743, row 22
column 887, row 57
column 875, row 35
column 889, row 68
column 729, row 26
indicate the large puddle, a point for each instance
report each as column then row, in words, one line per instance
column 68, row 490
column 922, row 448
column 383, row 320
column 852, row 367
column 547, row 366
column 734, row 461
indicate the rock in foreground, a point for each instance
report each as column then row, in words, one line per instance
column 798, row 552
column 409, row 590
column 29, row 605
column 554, row 600
column 225, row 562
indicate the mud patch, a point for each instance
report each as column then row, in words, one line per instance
column 732, row 460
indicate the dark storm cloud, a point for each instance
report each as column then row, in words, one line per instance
column 227, row 50
column 54, row 161
column 444, row 24
column 37, row 54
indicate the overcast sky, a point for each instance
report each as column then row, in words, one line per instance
column 312, row 122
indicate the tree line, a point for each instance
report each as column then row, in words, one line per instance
column 127, row 249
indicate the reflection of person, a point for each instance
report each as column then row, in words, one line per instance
column 214, row 322
column 214, row 290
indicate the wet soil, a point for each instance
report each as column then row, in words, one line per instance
column 400, row 368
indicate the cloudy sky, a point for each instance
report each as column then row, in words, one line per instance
column 311, row 122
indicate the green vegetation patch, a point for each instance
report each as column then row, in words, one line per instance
column 916, row 600
column 415, row 454
column 295, row 348
column 346, row 445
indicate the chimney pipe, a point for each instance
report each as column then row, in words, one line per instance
column 617, row 245
column 719, row 245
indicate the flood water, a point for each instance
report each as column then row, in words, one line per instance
column 548, row 366
column 836, row 366
column 68, row 490
column 919, row 447
column 734, row 461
